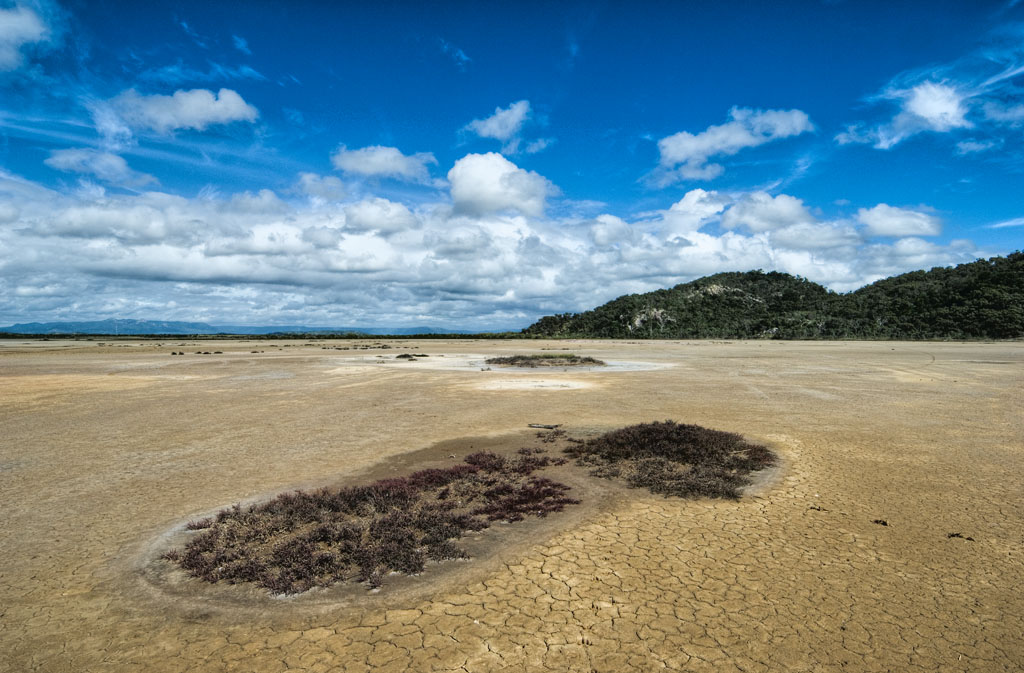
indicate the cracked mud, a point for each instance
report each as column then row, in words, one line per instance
column 107, row 448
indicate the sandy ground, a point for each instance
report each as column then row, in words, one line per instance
column 106, row 450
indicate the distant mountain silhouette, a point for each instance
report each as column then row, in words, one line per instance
column 142, row 327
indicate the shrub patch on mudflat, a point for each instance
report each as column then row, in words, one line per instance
column 674, row 459
column 302, row 540
column 546, row 360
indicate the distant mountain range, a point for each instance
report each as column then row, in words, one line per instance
column 130, row 327
column 979, row 300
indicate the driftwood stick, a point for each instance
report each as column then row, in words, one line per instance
column 542, row 426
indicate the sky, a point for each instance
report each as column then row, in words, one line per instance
column 477, row 165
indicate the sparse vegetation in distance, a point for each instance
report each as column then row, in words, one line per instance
column 301, row 540
column 674, row 459
column 546, row 360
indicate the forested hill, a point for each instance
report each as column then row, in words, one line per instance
column 978, row 300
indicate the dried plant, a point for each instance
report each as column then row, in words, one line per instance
column 302, row 540
column 674, row 459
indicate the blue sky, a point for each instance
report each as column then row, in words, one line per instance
column 478, row 165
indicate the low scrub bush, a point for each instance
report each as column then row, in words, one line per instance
column 546, row 360
column 302, row 540
column 674, row 459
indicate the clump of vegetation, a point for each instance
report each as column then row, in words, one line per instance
column 546, row 360
column 302, row 540
column 674, row 459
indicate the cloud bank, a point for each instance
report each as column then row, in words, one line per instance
column 483, row 253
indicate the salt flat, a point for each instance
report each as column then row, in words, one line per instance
column 106, row 448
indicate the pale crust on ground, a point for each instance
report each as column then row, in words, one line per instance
column 106, row 450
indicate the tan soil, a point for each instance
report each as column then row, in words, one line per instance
column 106, row 451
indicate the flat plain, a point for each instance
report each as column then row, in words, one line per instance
column 891, row 537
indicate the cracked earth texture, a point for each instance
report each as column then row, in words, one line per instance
column 104, row 449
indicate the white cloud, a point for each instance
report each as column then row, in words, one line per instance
column 19, row 26
column 760, row 211
column 940, row 107
column 928, row 106
column 1015, row 222
column 816, row 236
column 1012, row 115
column 686, row 156
column 116, row 132
column 255, row 257
column 466, row 243
column 385, row 162
column 322, row 237
column 380, row 215
column 488, row 183
column 325, row 188
column 977, row 90
column 855, row 133
column 693, row 211
column 196, row 109
column 886, row 220
column 8, row 213
column 539, row 145
column 609, row 230
column 975, row 146
column 265, row 201
column 504, row 125
column 107, row 167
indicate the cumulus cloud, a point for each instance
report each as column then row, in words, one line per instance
column 19, row 26
column 693, row 211
column 384, row 162
column 105, row 166
column 886, row 220
column 380, row 215
column 760, row 211
column 195, row 109
column 686, row 156
column 488, row 183
column 610, row 231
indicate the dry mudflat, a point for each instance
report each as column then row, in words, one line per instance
column 107, row 450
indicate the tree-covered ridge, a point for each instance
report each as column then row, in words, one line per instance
column 981, row 299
